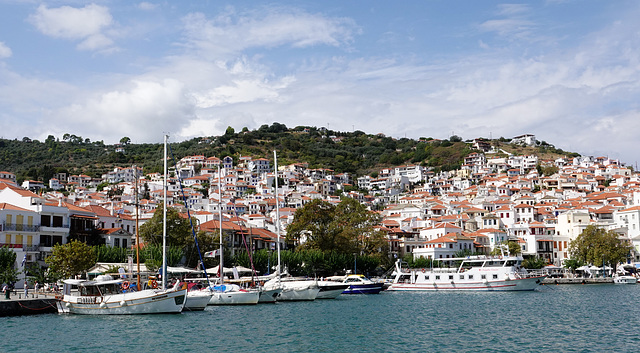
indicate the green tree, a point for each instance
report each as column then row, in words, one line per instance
column 125, row 140
column 513, row 246
column 596, row 245
column 178, row 228
column 534, row 262
column 71, row 259
column 347, row 228
column 8, row 273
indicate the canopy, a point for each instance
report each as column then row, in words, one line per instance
column 181, row 270
column 229, row 270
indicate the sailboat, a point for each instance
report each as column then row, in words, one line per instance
column 108, row 296
column 292, row 289
column 228, row 294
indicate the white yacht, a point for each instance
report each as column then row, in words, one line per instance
column 473, row 273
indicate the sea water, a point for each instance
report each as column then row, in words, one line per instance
column 559, row 318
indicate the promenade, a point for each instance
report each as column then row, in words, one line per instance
column 33, row 303
column 553, row 281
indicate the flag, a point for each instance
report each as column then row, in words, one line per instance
column 213, row 253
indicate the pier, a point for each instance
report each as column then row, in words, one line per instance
column 32, row 304
column 553, row 281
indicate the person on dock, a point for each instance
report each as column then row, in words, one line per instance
column 26, row 288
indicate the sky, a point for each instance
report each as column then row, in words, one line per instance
column 566, row 71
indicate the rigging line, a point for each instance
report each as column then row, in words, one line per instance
column 186, row 205
column 253, row 269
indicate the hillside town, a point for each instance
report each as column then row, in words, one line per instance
column 428, row 214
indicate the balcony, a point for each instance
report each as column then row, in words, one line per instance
column 20, row 227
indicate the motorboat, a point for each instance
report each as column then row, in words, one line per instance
column 472, row 273
column 624, row 279
column 330, row 289
column 358, row 284
column 108, row 296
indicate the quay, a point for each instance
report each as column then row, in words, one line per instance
column 32, row 304
column 553, row 281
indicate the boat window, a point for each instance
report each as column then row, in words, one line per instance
column 512, row 262
column 470, row 276
column 426, row 278
column 493, row 264
column 495, row 276
column 450, row 276
column 461, row 276
column 483, row 276
column 437, row 276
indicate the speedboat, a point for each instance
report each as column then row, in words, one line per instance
column 473, row 273
column 359, row 284
column 624, row 279
column 108, row 296
column 331, row 289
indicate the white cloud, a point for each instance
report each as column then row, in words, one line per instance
column 5, row 51
column 232, row 33
column 144, row 110
column 147, row 6
column 85, row 24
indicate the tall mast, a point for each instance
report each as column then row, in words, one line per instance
column 135, row 172
column 275, row 163
column 220, row 267
column 164, row 220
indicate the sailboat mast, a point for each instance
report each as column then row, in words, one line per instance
column 164, row 220
column 135, row 171
column 275, row 163
column 220, row 266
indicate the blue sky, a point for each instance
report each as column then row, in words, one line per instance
column 566, row 71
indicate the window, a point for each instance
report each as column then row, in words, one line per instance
column 451, row 277
column 461, row 276
column 483, row 276
column 45, row 220
column 57, row 221
column 437, row 277
column 116, row 242
column 495, row 276
column 470, row 277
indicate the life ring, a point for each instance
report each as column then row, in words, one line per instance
column 423, row 270
column 125, row 285
column 152, row 283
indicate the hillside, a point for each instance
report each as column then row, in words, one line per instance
column 352, row 152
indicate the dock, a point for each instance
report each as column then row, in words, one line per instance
column 554, row 281
column 32, row 304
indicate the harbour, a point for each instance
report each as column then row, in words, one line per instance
column 550, row 319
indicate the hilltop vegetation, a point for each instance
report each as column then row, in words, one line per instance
column 352, row 152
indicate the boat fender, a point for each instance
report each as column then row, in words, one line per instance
column 103, row 305
column 68, row 305
column 123, row 303
column 125, row 285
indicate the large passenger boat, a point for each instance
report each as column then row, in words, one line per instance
column 473, row 273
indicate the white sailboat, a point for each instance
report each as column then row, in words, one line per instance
column 292, row 289
column 108, row 296
column 228, row 294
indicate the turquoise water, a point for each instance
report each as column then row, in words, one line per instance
column 570, row 318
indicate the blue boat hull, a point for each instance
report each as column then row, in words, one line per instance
column 373, row 288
